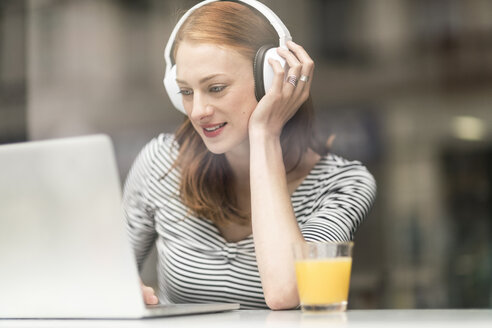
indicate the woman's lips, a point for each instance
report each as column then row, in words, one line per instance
column 213, row 130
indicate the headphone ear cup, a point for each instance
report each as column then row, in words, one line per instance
column 258, row 71
column 262, row 70
column 172, row 89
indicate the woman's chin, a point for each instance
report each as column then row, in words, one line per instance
column 215, row 151
column 223, row 146
column 215, row 148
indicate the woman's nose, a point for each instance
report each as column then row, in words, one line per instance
column 201, row 108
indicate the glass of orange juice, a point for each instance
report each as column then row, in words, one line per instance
column 323, row 275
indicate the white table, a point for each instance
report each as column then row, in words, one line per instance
column 265, row 318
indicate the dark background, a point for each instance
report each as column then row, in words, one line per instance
column 405, row 85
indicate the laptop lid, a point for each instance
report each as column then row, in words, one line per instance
column 64, row 251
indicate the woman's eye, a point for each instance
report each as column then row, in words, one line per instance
column 217, row 88
column 185, row 92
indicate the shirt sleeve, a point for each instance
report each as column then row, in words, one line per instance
column 345, row 198
column 138, row 209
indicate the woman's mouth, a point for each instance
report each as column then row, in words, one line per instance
column 213, row 130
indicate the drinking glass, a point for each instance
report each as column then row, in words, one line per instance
column 323, row 275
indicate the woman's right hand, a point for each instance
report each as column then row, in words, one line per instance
column 148, row 294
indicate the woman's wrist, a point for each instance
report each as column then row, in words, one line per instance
column 263, row 134
column 265, row 151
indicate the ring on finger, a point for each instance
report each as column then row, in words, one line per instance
column 304, row 78
column 292, row 79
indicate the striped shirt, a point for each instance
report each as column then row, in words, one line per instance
column 195, row 263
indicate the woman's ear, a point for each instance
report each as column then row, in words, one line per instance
column 329, row 141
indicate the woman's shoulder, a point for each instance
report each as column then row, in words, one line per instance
column 163, row 145
column 164, row 142
column 334, row 161
column 333, row 168
column 159, row 153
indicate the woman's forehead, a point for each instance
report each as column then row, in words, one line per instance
column 196, row 59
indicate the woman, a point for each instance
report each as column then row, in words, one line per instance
column 241, row 180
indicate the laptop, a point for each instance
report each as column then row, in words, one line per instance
column 64, row 248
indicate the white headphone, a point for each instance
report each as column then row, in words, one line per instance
column 263, row 72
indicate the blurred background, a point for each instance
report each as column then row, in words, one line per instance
column 405, row 85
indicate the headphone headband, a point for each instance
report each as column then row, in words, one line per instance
column 278, row 25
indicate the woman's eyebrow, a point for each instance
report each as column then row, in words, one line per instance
column 203, row 80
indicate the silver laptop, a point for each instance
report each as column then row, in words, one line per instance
column 64, row 249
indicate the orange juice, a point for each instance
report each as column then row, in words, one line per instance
column 323, row 281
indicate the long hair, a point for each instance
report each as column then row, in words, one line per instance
column 207, row 183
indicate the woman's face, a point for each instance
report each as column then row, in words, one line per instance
column 218, row 94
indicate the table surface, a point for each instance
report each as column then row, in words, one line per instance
column 265, row 318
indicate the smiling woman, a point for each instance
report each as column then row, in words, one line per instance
column 227, row 36
column 244, row 177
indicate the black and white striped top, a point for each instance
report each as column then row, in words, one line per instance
column 195, row 263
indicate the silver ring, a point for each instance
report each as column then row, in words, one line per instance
column 304, row 78
column 292, row 79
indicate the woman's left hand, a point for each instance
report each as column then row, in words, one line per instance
column 284, row 98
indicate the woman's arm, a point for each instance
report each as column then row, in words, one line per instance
column 139, row 214
column 274, row 224
column 136, row 206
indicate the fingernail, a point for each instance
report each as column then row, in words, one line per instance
column 155, row 299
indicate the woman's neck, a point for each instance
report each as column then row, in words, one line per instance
column 239, row 163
